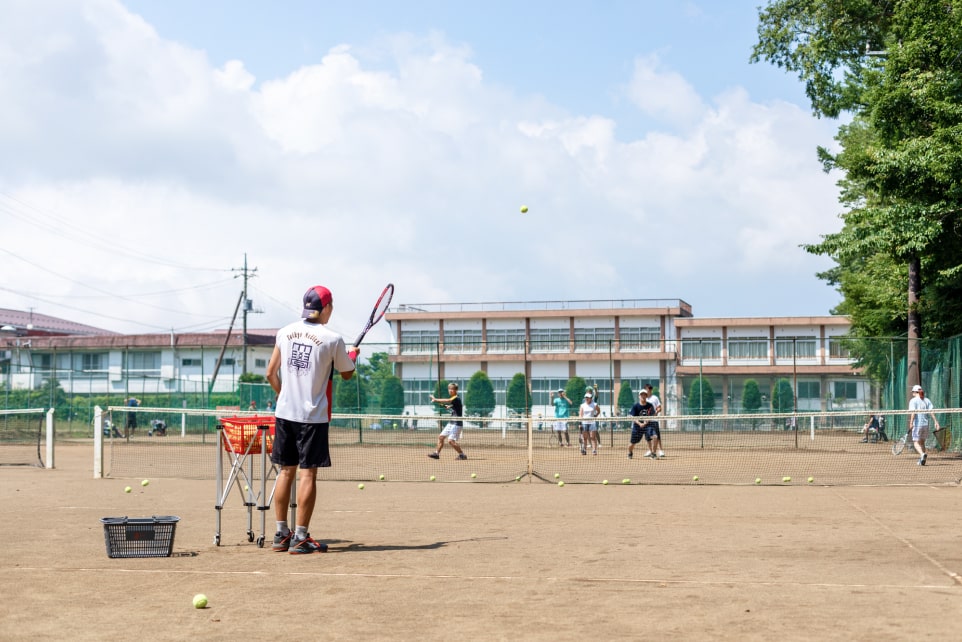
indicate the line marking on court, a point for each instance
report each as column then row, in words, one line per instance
column 955, row 577
column 510, row 578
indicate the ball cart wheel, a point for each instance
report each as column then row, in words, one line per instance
column 260, row 542
column 250, row 536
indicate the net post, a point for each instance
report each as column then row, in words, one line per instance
column 98, row 442
column 50, row 439
column 530, row 446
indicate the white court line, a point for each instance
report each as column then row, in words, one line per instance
column 931, row 560
column 510, row 578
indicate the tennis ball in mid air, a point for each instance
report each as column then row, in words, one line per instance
column 524, row 209
column 432, row 478
column 786, row 479
column 128, row 489
column 360, row 486
column 200, row 601
column 145, row 482
column 561, row 483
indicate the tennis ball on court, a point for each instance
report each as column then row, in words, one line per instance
column 246, row 487
column 381, row 477
column 625, row 481
column 557, row 475
column 432, row 477
column 561, row 483
column 128, row 489
column 811, row 479
column 786, row 479
column 474, row 475
column 200, row 601
column 524, row 209
column 146, row 482
column 605, row 482
column 758, row 480
column 517, row 479
column 695, row 478
column 360, row 486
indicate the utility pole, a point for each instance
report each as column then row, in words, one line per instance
column 246, row 305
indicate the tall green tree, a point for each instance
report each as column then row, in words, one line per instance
column 701, row 397
column 626, row 398
column 575, row 391
column 479, row 397
column 392, row 396
column 783, row 397
column 518, row 397
column 751, row 396
column 894, row 67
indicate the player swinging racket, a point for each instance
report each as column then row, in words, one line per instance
column 452, row 431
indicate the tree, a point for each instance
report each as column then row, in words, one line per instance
column 392, row 396
column 626, row 398
column 479, row 398
column 894, row 67
column 575, row 390
column 348, row 395
column 701, row 397
column 783, row 397
column 250, row 377
column 518, row 397
column 751, row 396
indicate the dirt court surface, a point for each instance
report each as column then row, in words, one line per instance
column 487, row 561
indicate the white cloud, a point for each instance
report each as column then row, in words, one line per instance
column 400, row 163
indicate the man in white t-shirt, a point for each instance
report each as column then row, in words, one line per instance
column 654, row 401
column 301, row 370
column 919, row 421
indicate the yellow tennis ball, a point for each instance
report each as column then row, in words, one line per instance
column 811, row 479
column 145, row 482
column 128, row 489
column 432, row 477
column 786, row 479
column 246, row 487
column 557, row 475
column 517, row 479
column 695, row 478
column 474, row 475
column 605, row 482
column 360, row 486
column 381, row 477
column 561, row 483
column 758, row 480
column 524, row 209
column 200, row 601
column 625, row 481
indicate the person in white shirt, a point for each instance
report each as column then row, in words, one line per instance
column 919, row 421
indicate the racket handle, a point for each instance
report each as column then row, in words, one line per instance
column 353, row 352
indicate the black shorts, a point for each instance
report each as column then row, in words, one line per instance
column 301, row 444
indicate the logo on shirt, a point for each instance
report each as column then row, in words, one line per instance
column 300, row 361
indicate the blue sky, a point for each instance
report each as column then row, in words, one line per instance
column 150, row 144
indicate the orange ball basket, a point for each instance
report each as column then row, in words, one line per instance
column 243, row 434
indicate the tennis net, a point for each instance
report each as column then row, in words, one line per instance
column 828, row 448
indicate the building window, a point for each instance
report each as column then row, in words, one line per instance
column 506, row 340
column 701, row 349
column 91, row 363
column 845, row 390
column 462, row 341
column 838, row 349
column 641, row 339
column 419, row 341
column 799, row 348
column 190, row 363
column 142, row 364
column 809, row 389
column 550, row 340
column 748, row 348
column 594, row 339
column 260, row 363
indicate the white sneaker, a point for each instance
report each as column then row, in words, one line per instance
column 661, row 453
column 649, row 454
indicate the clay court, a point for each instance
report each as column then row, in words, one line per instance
column 518, row 560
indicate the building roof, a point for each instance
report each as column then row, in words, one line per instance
column 36, row 324
column 158, row 340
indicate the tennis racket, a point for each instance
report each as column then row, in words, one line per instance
column 377, row 313
column 935, row 440
column 899, row 444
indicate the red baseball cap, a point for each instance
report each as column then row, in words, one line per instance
column 315, row 299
